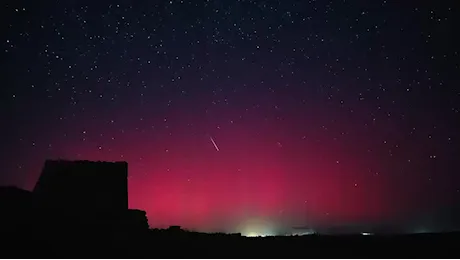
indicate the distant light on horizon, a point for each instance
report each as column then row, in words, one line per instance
column 253, row 234
column 256, row 228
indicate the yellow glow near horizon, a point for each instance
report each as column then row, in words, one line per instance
column 256, row 228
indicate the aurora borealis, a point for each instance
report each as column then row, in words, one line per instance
column 323, row 112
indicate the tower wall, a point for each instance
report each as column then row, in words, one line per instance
column 83, row 185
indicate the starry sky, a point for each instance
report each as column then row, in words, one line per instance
column 286, row 112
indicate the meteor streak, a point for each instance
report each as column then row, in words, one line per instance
column 214, row 143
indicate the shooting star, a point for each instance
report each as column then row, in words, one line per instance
column 214, row 143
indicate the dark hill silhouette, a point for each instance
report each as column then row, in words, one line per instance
column 80, row 210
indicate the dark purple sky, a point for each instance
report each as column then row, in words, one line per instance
column 322, row 111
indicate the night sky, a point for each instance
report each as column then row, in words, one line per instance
column 279, row 113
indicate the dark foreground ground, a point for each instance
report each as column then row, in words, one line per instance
column 183, row 245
